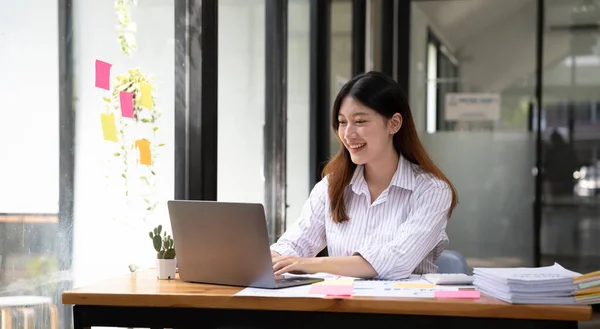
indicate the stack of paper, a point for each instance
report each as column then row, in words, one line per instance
column 588, row 288
column 542, row 285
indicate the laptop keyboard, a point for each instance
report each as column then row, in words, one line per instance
column 294, row 281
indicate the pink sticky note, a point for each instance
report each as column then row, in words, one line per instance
column 461, row 294
column 103, row 74
column 126, row 100
column 333, row 290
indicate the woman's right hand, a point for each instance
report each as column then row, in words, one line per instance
column 273, row 256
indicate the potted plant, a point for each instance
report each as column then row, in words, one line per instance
column 166, row 263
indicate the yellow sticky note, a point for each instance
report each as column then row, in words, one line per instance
column 109, row 129
column 337, row 282
column 146, row 91
column 414, row 285
column 144, row 147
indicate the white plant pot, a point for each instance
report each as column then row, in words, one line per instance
column 165, row 268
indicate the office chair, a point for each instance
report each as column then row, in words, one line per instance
column 451, row 261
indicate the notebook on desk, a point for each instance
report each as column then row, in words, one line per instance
column 225, row 243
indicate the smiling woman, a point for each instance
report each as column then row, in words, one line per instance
column 382, row 205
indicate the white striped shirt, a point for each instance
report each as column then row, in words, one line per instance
column 402, row 232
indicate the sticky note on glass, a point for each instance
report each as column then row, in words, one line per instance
column 457, row 294
column 332, row 290
column 103, row 74
column 108, row 127
column 144, row 148
column 414, row 285
column 146, row 91
column 126, row 100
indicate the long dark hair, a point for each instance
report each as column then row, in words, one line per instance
column 382, row 94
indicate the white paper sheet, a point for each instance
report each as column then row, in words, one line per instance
column 299, row 291
column 364, row 288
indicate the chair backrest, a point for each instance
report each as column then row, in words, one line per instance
column 451, row 261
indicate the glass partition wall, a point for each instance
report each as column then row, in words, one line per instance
column 571, row 134
column 525, row 174
column 471, row 99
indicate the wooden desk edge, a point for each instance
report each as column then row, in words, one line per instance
column 408, row 306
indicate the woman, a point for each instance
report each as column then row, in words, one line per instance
column 382, row 206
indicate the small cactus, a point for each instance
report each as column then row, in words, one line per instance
column 164, row 246
column 169, row 247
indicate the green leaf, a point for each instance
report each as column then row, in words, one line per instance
column 161, row 144
column 155, row 128
column 117, row 154
column 144, row 120
column 123, row 175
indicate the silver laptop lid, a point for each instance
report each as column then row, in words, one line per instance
column 221, row 243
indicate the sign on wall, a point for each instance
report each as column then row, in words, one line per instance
column 472, row 107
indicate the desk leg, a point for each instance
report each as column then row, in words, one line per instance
column 78, row 319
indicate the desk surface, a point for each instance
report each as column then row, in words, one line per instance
column 143, row 289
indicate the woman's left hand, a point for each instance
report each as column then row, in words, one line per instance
column 295, row 265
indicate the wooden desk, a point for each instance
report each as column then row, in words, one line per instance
column 140, row 300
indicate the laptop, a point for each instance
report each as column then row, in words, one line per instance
column 225, row 243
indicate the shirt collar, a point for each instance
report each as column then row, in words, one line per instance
column 403, row 177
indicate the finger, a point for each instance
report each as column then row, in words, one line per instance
column 284, row 260
column 287, row 269
column 280, row 258
column 279, row 265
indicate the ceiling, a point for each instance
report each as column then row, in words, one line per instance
column 495, row 40
column 463, row 20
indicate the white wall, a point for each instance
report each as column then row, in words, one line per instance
column 29, row 107
column 109, row 234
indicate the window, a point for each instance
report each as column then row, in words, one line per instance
column 114, row 201
column 122, row 155
column 241, row 101
column 298, row 173
column 442, row 78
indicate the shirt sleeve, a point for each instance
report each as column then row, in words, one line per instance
column 415, row 238
column 306, row 238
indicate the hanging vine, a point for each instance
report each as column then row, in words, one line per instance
column 126, row 27
column 142, row 126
